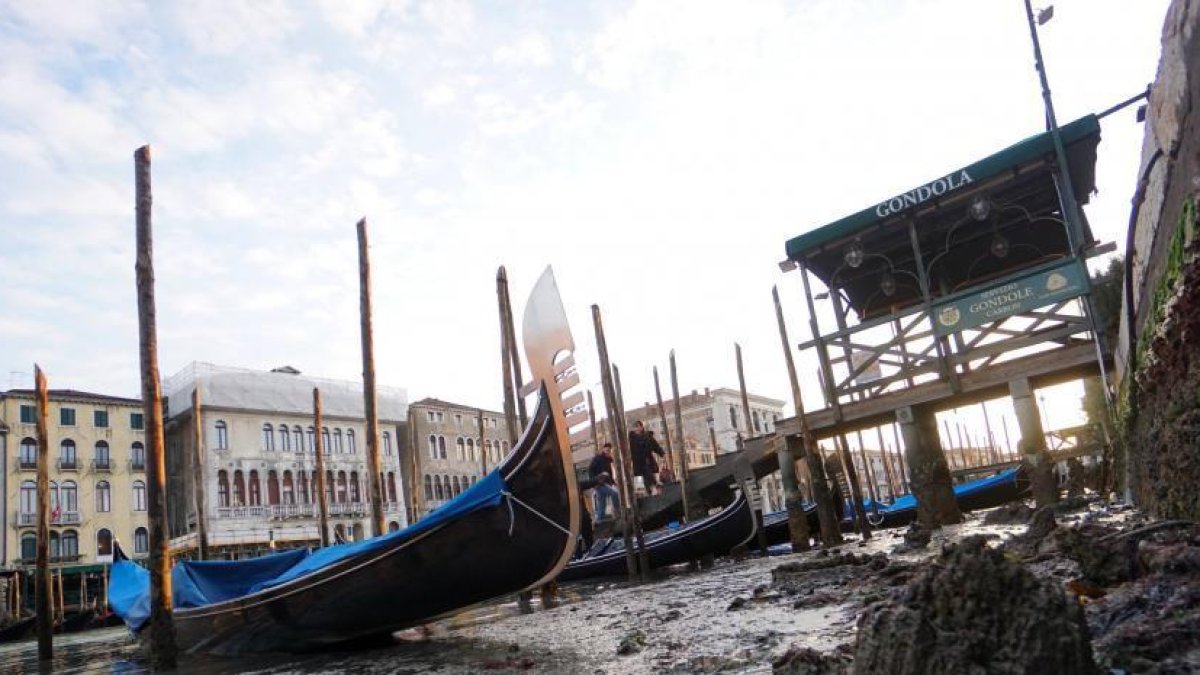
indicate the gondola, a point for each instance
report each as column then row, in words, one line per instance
column 17, row 630
column 512, row 531
column 717, row 534
column 983, row 493
column 77, row 621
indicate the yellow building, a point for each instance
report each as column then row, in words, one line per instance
column 97, row 462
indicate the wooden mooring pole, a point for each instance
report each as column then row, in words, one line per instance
column 198, row 476
column 684, row 469
column 45, row 623
column 627, row 460
column 162, row 626
column 370, row 397
column 756, row 499
column 616, row 418
column 662, row 417
column 319, row 451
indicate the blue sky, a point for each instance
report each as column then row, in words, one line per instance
column 658, row 154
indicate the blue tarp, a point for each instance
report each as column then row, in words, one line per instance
column 969, row 488
column 200, row 583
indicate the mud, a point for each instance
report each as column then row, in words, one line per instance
column 816, row 613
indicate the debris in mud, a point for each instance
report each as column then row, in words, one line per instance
column 633, row 642
column 916, row 538
column 974, row 610
column 808, row 661
column 1018, row 513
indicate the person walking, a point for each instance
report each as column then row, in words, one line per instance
column 642, row 449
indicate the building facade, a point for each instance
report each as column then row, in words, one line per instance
column 713, row 424
column 450, row 451
column 97, row 466
column 257, row 450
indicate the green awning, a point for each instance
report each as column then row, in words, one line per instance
column 952, row 184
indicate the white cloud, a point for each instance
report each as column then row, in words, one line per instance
column 531, row 50
column 439, row 95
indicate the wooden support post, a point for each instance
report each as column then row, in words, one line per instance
column 868, row 470
column 514, row 354
column 684, row 469
column 662, row 416
column 758, row 517
column 616, row 416
column 592, row 422
column 162, row 627
column 482, row 455
column 831, row 534
column 62, row 599
column 45, row 623
column 737, row 348
column 904, row 472
column 198, row 476
column 370, row 397
column 886, row 458
column 856, row 497
column 993, row 455
column 627, row 458
column 510, row 404
column 319, row 451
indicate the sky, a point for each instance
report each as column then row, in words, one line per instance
column 656, row 154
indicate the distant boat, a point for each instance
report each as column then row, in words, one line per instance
column 17, row 630
column 512, row 531
column 717, row 534
column 982, row 493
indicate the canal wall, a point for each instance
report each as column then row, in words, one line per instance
column 1158, row 355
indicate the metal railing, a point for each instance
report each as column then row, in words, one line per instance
column 241, row 511
column 102, row 465
column 137, row 465
column 28, row 464
column 63, row 518
column 68, row 464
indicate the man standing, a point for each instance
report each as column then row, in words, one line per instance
column 642, row 448
column 601, row 471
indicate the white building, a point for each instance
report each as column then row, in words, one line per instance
column 258, row 440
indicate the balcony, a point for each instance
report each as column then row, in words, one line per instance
column 347, row 509
column 28, row 464
column 71, row 464
column 64, row 518
column 101, row 466
column 282, row 511
column 242, row 511
column 391, row 507
column 137, row 465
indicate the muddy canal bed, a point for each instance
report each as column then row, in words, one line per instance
column 788, row 613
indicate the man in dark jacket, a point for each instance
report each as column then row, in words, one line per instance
column 601, row 472
column 642, row 448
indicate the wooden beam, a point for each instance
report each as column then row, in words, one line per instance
column 370, row 397
column 319, row 451
column 45, row 623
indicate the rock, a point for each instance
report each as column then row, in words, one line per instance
column 633, row 642
column 973, row 610
column 916, row 537
column 808, row 661
column 738, row 603
column 1010, row 514
column 1101, row 562
column 1041, row 525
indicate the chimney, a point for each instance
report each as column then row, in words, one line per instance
column 694, row 392
column 706, row 392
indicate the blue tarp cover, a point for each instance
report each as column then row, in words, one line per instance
column 969, row 488
column 200, row 583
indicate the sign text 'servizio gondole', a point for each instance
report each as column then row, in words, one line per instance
column 1041, row 288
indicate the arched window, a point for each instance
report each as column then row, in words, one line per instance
column 139, row 495
column 28, row 497
column 460, row 448
column 325, row 442
column 428, row 487
column 103, row 497
column 55, row 546
column 222, row 488
column 387, row 443
column 222, row 432
column 471, row 450
column 351, row 446
column 393, row 526
column 487, row 451
column 355, row 497
column 28, row 546
column 302, row 485
column 289, row 489
column 28, row 453
column 53, row 497
column 437, row 488
column 341, row 487
column 268, row 437
column 330, row 487
column 757, row 423
column 273, row 488
column 457, row 488
column 255, row 489
column 239, row 489
column 66, row 455
column 137, row 456
column 141, row 540
column 298, row 438
column 285, row 438
column 104, row 542
column 391, row 486
column 70, row 544
column 337, row 440
column 733, row 417
column 433, row 453
column 102, row 456
column 312, row 439
column 69, row 497
column 442, row 447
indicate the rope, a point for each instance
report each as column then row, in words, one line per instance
column 539, row 514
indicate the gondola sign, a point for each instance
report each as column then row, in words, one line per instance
column 999, row 302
